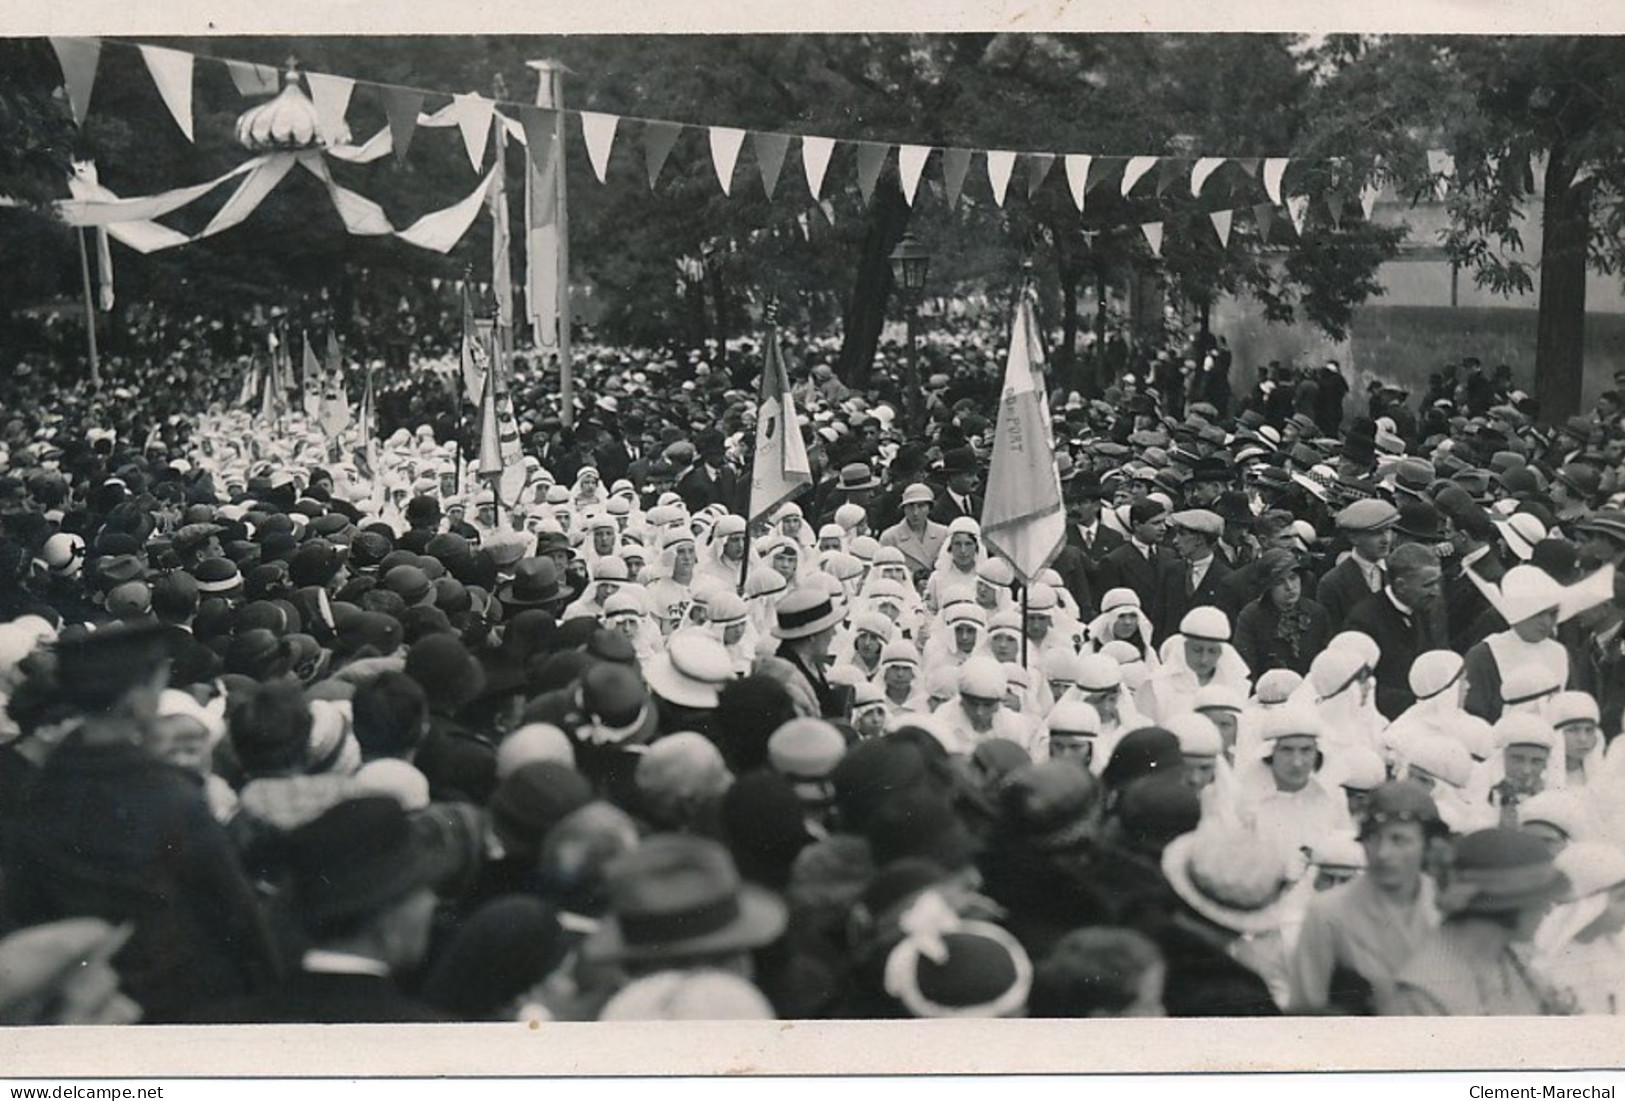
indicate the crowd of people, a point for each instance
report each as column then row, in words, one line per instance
column 1312, row 714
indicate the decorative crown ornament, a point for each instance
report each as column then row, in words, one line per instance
column 286, row 123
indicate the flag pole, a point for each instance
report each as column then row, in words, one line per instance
column 90, row 309
column 550, row 94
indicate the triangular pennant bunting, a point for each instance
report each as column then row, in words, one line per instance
column 725, row 144
column 1170, row 170
column 955, row 166
column 599, row 131
column 770, row 152
column 331, row 95
column 871, row 159
column 1334, row 206
column 1153, row 237
column 172, row 72
column 1038, row 166
column 1202, row 170
column 78, row 58
column 474, row 120
column 254, row 80
column 1264, row 215
column 658, row 138
column 1221, row 225
column 401, row 106
column 1104, row 168
column 539, row 125
column 1249, row 165
column 1077, row 177
column 815, row 153
column 910, row 164
column 1297, row 208
column 999, row 165
column 1274, row 173
column 1136, row 170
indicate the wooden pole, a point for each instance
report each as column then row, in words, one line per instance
column 90, row 309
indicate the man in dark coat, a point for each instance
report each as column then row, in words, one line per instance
column 109, row 830
column 1395, row 620
column 1088, row 541
column 1143, row 564
column 806, row 626
column 1369, row 527
column 959, row 497
column 362, row 891
column 1202, row 569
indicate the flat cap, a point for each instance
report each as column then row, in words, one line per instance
column 1367, row 516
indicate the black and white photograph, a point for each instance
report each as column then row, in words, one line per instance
column 957, row 525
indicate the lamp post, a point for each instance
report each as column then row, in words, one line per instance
column 909, row 263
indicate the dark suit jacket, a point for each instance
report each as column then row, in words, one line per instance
column 945, row 510
column 1401, row 638
column 698, row 489
column 1152, row 580
column 1105, row 541
column 109, row 831
column 613, row 461
column 1073, row 566
column 1341, row 589
column 1207, row 593
column 309, row 997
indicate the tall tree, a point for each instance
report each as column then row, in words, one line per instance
column 1534, row 128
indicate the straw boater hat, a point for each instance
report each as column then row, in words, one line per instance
column 1223, row 874
column 804, row 612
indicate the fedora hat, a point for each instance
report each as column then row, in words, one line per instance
column 358, row 857
column 857, row 476
column 536, row 584
column 677, row 896
column 1228, row 878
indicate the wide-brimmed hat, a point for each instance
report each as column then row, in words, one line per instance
column 1499, row 871
column 358, row 857
column 536, row 584
column 678, row 896
column 804, row 612
column 692, row 671
column 1227, row 877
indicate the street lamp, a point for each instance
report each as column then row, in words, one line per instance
column 909, row 263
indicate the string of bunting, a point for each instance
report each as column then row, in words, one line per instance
column 476, row 117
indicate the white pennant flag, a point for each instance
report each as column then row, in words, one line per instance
column 1153, row 237
column 1137, row 168
column 331, row 95
column 1204, row 167
column 474, row 120
column 910, row 164
column 1077, row 176
column 1221, row 225
column 1368, row 198
column 172, row 72
column 1274, row 173
column 815, row 161
column 999, row 166
column 1296, row 208
column 725, row 143
column 599, row 131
